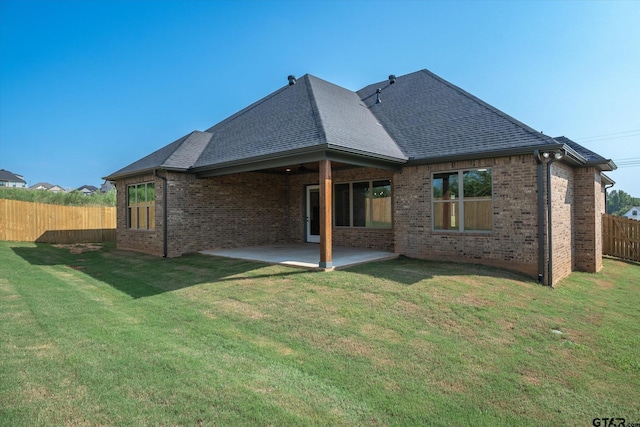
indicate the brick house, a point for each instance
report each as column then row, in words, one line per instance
column 413, row 165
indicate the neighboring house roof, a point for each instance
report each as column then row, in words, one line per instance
column 41, row 186
column 46, row 186
column 7, row 176
column 88, row 188
column 106, row 186
column 420, row 118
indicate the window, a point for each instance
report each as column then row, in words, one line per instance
column 141, row 206
column 363, row 204
column 462, row 200
column 634, row 213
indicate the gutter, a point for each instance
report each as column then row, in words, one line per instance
column 117, row 176
column 567, row 152
column 603, row 165
column 306, row 155
column 165, row 214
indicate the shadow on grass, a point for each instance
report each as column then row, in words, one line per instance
column 141, row 275
column 410, row 271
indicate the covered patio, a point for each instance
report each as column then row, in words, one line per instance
column 304, row 255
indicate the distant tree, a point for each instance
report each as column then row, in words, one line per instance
column 619, row 202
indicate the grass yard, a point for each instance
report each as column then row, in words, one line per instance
column 107, row 337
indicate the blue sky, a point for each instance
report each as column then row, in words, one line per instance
column 87, row 87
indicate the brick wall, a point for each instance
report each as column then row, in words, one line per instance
column 247, row 209
column 221, row 212
column 256, row 209
column 149, row 241
column 511, row 244
column 225, row 212
column 589, row 207
column 562, row 207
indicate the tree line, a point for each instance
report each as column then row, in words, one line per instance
column 619, row 202
column 73, row 198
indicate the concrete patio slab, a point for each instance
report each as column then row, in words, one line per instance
column 305, row 255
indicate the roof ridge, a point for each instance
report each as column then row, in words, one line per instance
column 315, row 108
column 187, row 141
column 487, row 106
column 248, row 108
column 182, row 140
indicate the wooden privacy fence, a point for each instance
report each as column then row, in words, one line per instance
column 39, row 222
column 621, row 237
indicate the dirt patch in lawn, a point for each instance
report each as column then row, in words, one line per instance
column 78, row 248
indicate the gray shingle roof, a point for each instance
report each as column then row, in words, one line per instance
column 311, row 113
column 421, row 118
column 181, row 154
column 5, row 175
column 584, row 152
column 429, row 117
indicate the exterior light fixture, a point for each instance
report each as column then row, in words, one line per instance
column 545, row 155
column 559, row 155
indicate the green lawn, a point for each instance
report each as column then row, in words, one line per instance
column 107, row 337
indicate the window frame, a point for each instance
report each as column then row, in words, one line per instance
column 369, row 222
column 459, row 201
column 146, row 207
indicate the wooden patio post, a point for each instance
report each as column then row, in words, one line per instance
column 325, row 214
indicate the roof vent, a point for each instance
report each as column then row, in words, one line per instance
column 378, row 91
column 392, row 79
column 292, row 80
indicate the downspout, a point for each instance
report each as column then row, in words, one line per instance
column 549, row 224
column 606, row 206
column 165, row 215
column 541, row 241
column 552, row 158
